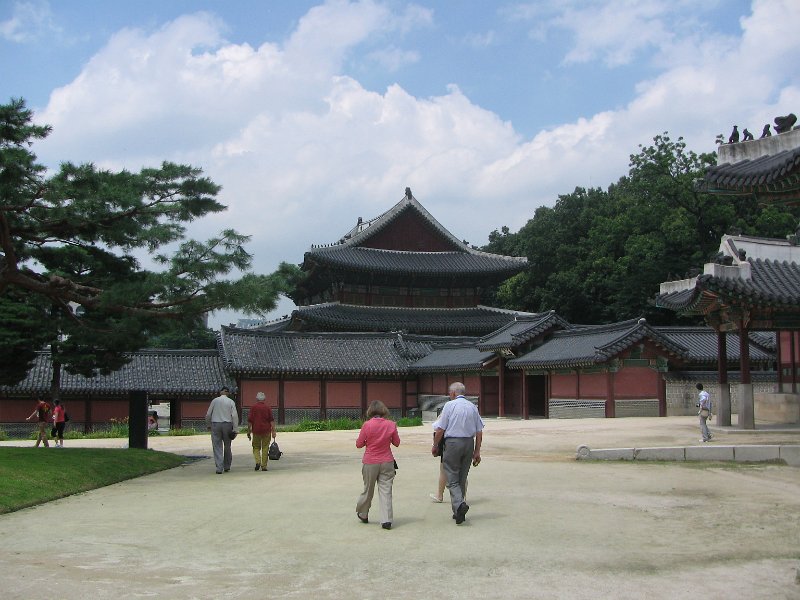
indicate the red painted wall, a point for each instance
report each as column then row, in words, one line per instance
column 343, row 394
column 594, row 385
column 250, row 387
column 301, row 394
column 110, row 409
column 409, row 232
column 192, row 410
column 562, row 385
column 636, row 382
column 12, row 411
column 388, row 392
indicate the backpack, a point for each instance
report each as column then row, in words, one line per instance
column 274, row 451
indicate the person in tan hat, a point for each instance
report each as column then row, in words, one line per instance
column 260, row 424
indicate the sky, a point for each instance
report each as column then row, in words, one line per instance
column 313, row 114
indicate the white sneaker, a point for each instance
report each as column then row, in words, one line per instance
column 435, row 499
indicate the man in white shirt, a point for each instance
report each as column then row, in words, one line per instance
column 223, row 421
column 461, row 426
column 704, row 403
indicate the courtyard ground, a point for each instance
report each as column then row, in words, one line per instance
column 541, row 524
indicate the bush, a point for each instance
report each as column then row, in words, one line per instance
column 184, row 431
column 3, row 435
column 409, row 421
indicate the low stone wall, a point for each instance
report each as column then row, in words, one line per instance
column 777, row 408
column 708, row 452
column 682, row 396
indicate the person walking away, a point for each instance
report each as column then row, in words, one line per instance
column 461, row 426
column 42, row 414
column 704, row 404
column 60, row 421
column 223, row 421
column 438, row 497
column 378, row 466
column 260, row 424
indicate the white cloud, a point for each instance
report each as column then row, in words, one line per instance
column 302, row 150
column 28, row 23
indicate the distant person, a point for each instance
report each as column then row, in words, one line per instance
column 152, row 421
column 378, row 465
column 59, row 420
column 42, row 414
column 704, row 404
column 260, row 424
column 461, row 426
column 223, row 421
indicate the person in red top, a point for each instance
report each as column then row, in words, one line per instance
column 378, row 464
column 59, row 421
column 260, row 424
column 42, row 413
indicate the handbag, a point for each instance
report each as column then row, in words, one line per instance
column 53, row 432
column 704, row 412
column 274, row 451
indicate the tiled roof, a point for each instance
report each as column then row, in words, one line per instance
column 772, row 283
column 251, row 352
column 521, row 330
column 376, row 260
column 453, row 358
column 770, row 172
column 478, row 320
column 701, row 344
column 162, row 372
column 349, row 252
column 588, row 345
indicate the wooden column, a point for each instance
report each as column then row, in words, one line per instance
column 281, row 402
column 323, row 399
column 525, row 409
column 501, row 391
column 779, row 358
column 662, row 396
column 723, row 410
column 793, row 362
column 87, row 411
column 364, row 396
column 746, row 402
column 611, row 406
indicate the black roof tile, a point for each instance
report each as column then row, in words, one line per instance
column 478, row 320
column 588, row 345
column 522, row 330
column 453, row 358
column 350, row 253
column 161, row 372
column 252, row 352
column 772, row 283
column 701, row 344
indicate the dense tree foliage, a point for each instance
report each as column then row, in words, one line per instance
column 69, row 273
column 598, row 256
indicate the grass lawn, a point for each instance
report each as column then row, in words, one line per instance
column 30, row 476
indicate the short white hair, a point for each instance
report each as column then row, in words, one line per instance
column 260, row 396
column 459, row 388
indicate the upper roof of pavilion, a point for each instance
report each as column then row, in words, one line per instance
column 382, row 245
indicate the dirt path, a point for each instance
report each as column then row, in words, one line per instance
column 542, row 525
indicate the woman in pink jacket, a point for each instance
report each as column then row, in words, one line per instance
column 378, row 462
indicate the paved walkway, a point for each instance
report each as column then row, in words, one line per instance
column 542, row 525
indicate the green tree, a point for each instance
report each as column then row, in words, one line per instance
column 69, row 275
column 598, row 256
